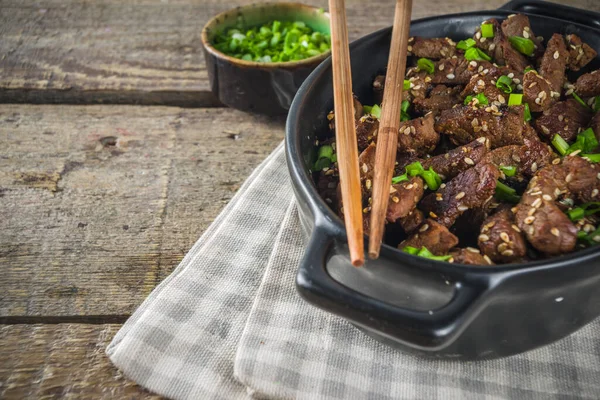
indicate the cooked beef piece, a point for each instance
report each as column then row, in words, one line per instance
column 417, row 136
column 486, row 84
column 435, row 237
column 554, row 62
column 537, row 92
column 595, row 124
column 458, row 71
column 582, row 178
column 469, row 256
column 450, row 164
column 500, row 238
column 378, row 85
column 433, row 48
column 358, row 112
column 440, row 98
column 327, row 188
column 420, row 83
column 366, row 131
column 404, row 198
column 518, row 25
column 366, row 162
column 472, row 188
column 502, row 125
column 564, row 118
column 500, row 49
column 580, row 54
column 412, row 221
column 528, row 158
column 588, row 85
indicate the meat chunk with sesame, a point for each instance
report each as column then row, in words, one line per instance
column 412, row 221
column 499, row 48
column 417, row 136
column 458, row 71
column 358, row 112
column 433, row 48
column 501, row 239
column 580, row 54
column 565, row 118
column 537, row 92
column 518, row 25
column 469, row 256
column 440, row 98
column 501, row 125
column 486, row 84
column 435, row 237
column 554, row 62
column 584, row 183
column 419, row 85
column 366, row 131
column 404, row 198
column 588, row 85
column 450, row 164
column 527, row 158
column 472, row 188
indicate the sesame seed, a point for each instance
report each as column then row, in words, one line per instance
column 328, row 200
column 410, row 186
column 413, row 130
column 427, row 79
column 443, row 185
column 485, row 71
column 536, row 203
column 460, row 196
column 536, row 193
column 441, row 67
column 483, row 140
column 545, row 129
column 501, row 99
column 561, row 117
column 574, row 153
column 529, row 220
column 598, row 176
column 516, row 158
column 432, row 214
column 439, row 197
column 480, row 68
column 555, row 232
column 407, row 130
column 482, row 40
column 395, row 199
column 409, row 48
column 368, row 184
column 424, row 228
column 504, row 237
column 532, row 85
column 534, row 167
column 556, row 55
column 473, row 64
column 531, row 211
column 514, row 210
column 588, row 228
column 594, row 192
column 569, row 177
column 417, row 87
column 547, row 197
column 526, row 34
column 515, row 228
column 492, row 46
column 472, row 250
column 468, row 161
column 483, row 237
column 462, row 208
column 538, row 101
column 556, row 161
column 365, row 210
column 596, row 238
column 519, row 87
column 508, row 253
column 501, row 247
column 450, row 76
column 392, row 189
column 478, row 35
column 490, row 224
column 516, row 80
column 487, row 259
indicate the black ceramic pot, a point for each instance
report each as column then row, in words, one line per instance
column 435, row 308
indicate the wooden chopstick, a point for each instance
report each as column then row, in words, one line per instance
column 345, row 132
column 387, row 137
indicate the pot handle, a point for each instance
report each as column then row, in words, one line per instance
column 571, row 14
column 429, row 331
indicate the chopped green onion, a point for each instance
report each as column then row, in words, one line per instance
column 590, row 140
column 515, row 99
column 334, row 158
column 527, row 113
column 508, row 171
column 406, row 84
column 592, row 157
column 475, row 54
column 399, row 178
column 466, row 44
column 367, row 109
column 423, row 252
column 576, row 214
column 481, row 99
column 528, row 69
column 580, row 100
column 560, row 144
column 596, row 106
column 487, row 30
column 505, row 84
column 325, row 151
column 431, row 178
column 522, row 45
column 410, row 250
column 584, row 210
column 506, row 193
column 426, row 64
column 322, row 163
column 414, row 169
column 581, row 235
column 376, row 111
column 404, row 116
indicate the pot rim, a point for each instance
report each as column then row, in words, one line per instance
column 326, row 219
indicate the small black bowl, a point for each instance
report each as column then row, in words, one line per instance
column 264, row 88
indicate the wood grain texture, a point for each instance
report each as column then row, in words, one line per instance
column 142, row 52
column 62, row 362
column 99, row 203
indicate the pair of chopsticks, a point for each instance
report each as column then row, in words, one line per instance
column 387, row 137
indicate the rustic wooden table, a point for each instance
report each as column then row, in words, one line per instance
column 114, row 158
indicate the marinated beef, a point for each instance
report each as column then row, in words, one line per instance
column 537, row 92
column 501, row 239
column 588, row 85
column 469, row 256
column 554, row 62
column 433, row 48
column 501, row 125
column 499, row 48
column 420, row 83
column 518, row 25
column 582, row 178
column 403, row 198
column 417, row 136
column 457, row 160
column 486, row 84
column 412, row 221
column 565, row 118
column 472, row 188
column 527, row 158
column 366, row 131
column 440, row 98
column 580, row 54
column 458, row 71
column 435, row 237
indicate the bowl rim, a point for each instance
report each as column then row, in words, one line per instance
column 325, row 218
column 306, row 62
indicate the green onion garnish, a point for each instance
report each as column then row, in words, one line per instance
column 560, row 144
column 426, row 64
column 481, row 99
column 508, row 171
column 522, row 45
column 276, row 41
column 592, row 157
column 325, row 151
column 527, row 113
column 404, row 115
column 586, row 141
column 376, row 111
column 322, row 163
column 584, row 210
column 406, row 84
column 487, row 30
column 580, row 100
column 526, row 70
column 475, row 54
column 515, row 99
column 430, row 177
column 410, row 250
column 596, row 106
column 506, row 193
column 465, row 44
column 325, row 157
column 423, row 252
column 399, row 178
column 367, row 109
column 505, row 84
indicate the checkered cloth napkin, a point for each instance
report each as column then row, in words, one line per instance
column 228, row 324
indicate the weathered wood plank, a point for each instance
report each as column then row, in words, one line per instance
column 99, row 203
column 61, row 362
column 143, row 52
